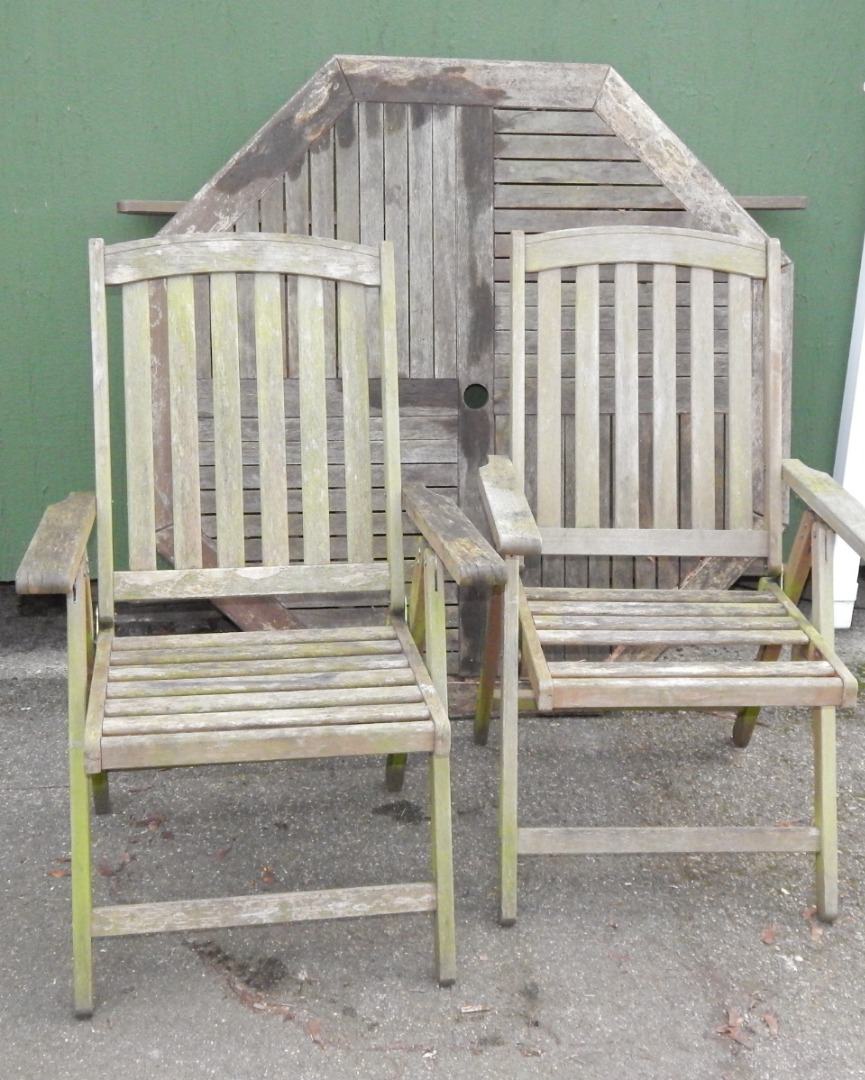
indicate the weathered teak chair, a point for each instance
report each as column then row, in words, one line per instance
column 652, row 493
column 356, row 686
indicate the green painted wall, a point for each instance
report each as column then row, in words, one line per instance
column 117, row 99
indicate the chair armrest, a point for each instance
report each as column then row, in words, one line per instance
column 468, row 557
column 829, row 501
column 53, row 558
column 514, row 528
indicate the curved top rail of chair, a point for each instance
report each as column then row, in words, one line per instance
column 646, row 244
column 238, row 253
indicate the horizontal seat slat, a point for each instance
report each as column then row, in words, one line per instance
column 242, row 683
column 257, row 637
column 591, row 608
column 672, row 637
column 649, row 596
column 240, row 651
column 662, row 669
column 220, row 668
column 241, row 720
column 206, row 703
column 650, row 623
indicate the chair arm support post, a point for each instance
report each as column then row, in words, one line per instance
column 58, row 549
column 822, row 592
column 466, row 554
column 515, row 531
column 844, row 514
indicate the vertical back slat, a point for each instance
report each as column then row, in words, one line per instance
column 271, row 419
column 224, row 334
column 396, row 214
column 549, row 436
column 518, row 356
column 390, row 428
column 587, row 405
column 248, row 221
column 664, row 444
column 702, row 399
column 139, row 425
column 201, row 287
column 297, row 224
column 355, row 404
column 371, row 165
column 347, row 177
column 420, row 238
column 444, row 248
column 626, row 493
column 183, row 385
column 102, row 428
column 773, row 404
column 313, row 420
column 322, row 216
column 739, row 424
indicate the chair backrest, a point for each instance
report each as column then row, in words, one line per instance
column 646, row 391
column 284, row 468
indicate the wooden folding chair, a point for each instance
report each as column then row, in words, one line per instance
column 240, row 321
column 637, row 353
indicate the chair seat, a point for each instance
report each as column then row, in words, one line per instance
column 708, row 624
column 206, row 698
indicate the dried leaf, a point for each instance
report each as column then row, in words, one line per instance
column 220, row 853
column 313, row 1029
column 733, row 1029
column 810, row 916
column 153, row 823
column 59, row 872
column 769, row 934
column 735, row 1034
column 734, row 1017
column 106, row 870
column 771, row 1023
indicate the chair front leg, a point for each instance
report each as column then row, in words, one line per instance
column 79, row 651
column 442, row 868
column 823, row 729
column 509, row 747
column 433, row 594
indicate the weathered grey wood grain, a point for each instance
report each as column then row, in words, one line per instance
column 471, row 82
column 261, row 910
column 55, row 553
column 274, row 148
column 668, row 157
column 204, row 699
column 625, row 841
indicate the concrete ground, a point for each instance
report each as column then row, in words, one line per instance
column 673, row 966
